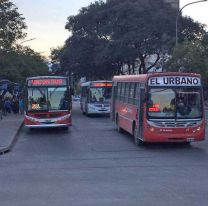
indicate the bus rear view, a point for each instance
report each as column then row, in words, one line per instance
column 48, row 102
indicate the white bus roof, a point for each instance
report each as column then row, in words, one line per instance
column 47, row 77
column 86, row 84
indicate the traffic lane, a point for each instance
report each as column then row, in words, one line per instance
column 96, row 135
column 95, row 165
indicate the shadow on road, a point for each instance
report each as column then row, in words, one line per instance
column 187, row 146
column 48, row 131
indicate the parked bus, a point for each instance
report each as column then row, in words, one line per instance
column 96, row 97
column 159, row 107
column 48, row 102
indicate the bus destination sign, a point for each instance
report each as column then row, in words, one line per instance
column 46, row 82
column 101, row 84
column 175, row 81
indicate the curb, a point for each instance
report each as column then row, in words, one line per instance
column 14, row 140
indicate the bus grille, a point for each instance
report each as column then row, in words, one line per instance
column 174, row 124
column 45, row 116
column 101, row 105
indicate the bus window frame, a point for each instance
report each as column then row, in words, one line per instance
column 174, row 89
column 48, row 86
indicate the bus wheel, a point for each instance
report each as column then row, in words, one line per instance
column 65, row 128
column 119, row 129
column 186, row 144
column 137, row 141
column 31, row 129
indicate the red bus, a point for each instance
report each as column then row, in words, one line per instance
column 48, row 102
column 96, row 97
column 159, row 107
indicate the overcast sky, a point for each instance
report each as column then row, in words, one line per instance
column 46, row 19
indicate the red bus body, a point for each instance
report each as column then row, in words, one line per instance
column 48, row 102
column 160, row 120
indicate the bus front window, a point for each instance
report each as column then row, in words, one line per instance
column 188, row 103
column 174, row 103
column 45, row 99
column 100, row 94
column 160, row 103
column 58, row 99
column 37, row 99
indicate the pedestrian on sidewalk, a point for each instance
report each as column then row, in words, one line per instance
column 1, row 106
column 21, row 105
column 8, row 105
column 15, row 105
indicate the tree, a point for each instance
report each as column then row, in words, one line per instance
column 11, row 24
column 108, row 35
column 16, row 62
column 20, row 63
column 56, row 55
column 191, row 56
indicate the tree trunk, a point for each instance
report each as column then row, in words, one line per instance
column 154, row 64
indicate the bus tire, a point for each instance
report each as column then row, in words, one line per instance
column 137, row 141
column 119, row 129
column 65, row 128
column 186, row 144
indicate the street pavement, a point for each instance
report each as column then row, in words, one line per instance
column 9, row 127
column 92, row 164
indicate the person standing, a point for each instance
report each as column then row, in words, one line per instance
column 15, row 105
column 1, row 106
column 21, row 105
column 8, row 105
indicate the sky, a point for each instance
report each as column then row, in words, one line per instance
column 46, row 20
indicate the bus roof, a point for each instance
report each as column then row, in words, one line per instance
column 144, row 77
column 47, row 77
column 86, row 84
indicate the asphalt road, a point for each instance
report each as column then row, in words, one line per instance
column 93, row 165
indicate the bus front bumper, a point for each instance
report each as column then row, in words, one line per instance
column 48, row 125
column 63, row 121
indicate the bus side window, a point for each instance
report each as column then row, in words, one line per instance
column 122, row 91
column 131, row 93
column 119, row 91
column 126, row 93
column 135, row 93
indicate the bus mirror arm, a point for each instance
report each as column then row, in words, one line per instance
column 143, row 96
column 72, row 91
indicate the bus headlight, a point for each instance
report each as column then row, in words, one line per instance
column 198, row 129
column 152, row 129
column 64, row 117
column 91, row 107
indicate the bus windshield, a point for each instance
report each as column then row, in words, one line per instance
column 181, row 103
column 100, row 94
column 47, row 98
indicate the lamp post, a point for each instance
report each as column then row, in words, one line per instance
column 178, row 14
column 27, row 40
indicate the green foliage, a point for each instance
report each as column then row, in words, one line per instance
column 108, row 35
column 20, row 63
column 16, row 62
column 11, row 24
column 190, row 57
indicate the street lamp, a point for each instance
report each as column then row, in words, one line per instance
column 179, row 12
column 27, row 40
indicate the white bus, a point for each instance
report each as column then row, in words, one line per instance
column 96, row 97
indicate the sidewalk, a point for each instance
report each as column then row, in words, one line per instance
column 9, row 128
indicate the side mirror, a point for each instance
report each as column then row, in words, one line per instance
column 71, row 91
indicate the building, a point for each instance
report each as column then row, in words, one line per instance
column 174, row 3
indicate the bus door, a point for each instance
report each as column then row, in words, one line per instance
column 113, row 100
column 140, row 109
